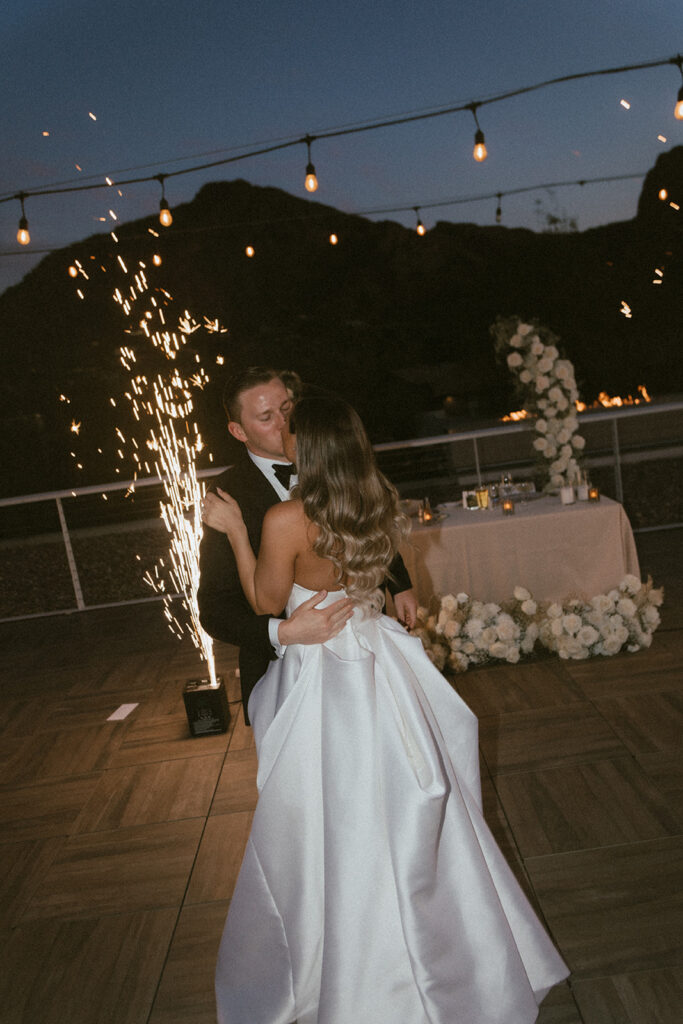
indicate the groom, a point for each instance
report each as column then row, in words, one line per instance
column 258, row 405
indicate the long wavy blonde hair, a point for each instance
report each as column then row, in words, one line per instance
column 356, row 509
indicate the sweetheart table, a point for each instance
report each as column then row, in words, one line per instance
column 556, row 551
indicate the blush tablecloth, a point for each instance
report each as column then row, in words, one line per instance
column 556, row 551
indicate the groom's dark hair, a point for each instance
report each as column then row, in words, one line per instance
column 242, row 381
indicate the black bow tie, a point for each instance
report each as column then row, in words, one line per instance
column 284, row 472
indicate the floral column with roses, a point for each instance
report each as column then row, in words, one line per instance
column 546, row 386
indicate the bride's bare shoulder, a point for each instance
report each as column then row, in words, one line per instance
column 287, row 515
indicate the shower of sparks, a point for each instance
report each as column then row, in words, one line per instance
column 626, row 310
column 625, row 104
column 162, row 404
column 75, row 427
column 662, row 138
column 92, row 116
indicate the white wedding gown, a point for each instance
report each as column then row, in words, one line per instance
column 371, row 888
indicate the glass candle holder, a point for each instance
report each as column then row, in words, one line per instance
column 593, row 494
column 567, row 495
column 508, row 507
column 482, row 497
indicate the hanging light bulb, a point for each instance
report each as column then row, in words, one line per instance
column 419, row 227
column 479, row 152
column 499, row 210
column 678, row 109
column 333, row 239
column 311, row 182
column 23, row 237
column 165, row 215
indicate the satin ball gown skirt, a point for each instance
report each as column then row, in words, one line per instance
column 371, row 887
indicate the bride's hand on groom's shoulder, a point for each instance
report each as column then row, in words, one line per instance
column 221, row 512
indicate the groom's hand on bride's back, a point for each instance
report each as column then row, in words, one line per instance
column 310, row 625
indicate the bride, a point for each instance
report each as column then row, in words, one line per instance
column 371, row 888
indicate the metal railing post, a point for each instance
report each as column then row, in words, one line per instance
column 476, row 460
column 618, row 484
column 80, row 603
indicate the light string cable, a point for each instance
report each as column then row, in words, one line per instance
column 371, row 125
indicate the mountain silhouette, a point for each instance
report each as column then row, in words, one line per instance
column 368, row 317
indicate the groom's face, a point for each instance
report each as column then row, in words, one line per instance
column 264, row 410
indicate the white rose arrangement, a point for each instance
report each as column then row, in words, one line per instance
column 546, row 386
column 463, row 631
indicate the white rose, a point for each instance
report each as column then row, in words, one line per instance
column 563, row 435
column 555, row 394
column 516, row 341
column 562, row 403
column 468, row 647
column 532, row 632
column 449, row 603
column 542, row 383
column 630, row 583
column 521, row 594
column 512, row 655
column 491, row 609
column 562, row 372
column 554, row 610
column 611, row 645
column 650, row 616
column 566, row 451
column 551, row 352
column 557, row 481
column 451, row 629
column 524, row 329
column 556, row 627
column 462, row 598
column 551, row 411
column 578, row 441
column 514, row 359
column 525, row 377
column 488, row 636
column 542, row 403
column 541, row 426
column 540, row 444
column 498, row 649
column 506, row 628
column 545, row 365
column 572, row 623
column 458, row 661
column 529, row 607
column 587, row 635
column 473, row 627
column 602, row 603
column 626, row 607
column 537, row 347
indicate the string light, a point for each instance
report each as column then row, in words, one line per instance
column 249, row 251
column 311, row 182
column 333, row 239
column 165, row 215
column 663, row 194
column 23, row 237
column 419, row 227
column 678, row 109
column 479, row 152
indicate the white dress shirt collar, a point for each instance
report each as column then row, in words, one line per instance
column 266, row 467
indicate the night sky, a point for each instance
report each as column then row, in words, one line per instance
column 176, row 83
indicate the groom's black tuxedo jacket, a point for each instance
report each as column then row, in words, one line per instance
column 224, row 611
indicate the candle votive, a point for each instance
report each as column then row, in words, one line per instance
column 593, row 494
column 508, row 507
column 482, row 497
column 567, row 495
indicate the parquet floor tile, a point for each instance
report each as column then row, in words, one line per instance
column 237, row 785
column 119, row 871
column 648, row 723
column 42, row 809
column 186, row 992
column 544, row 737
column 639, row 998
column 92, row 971
column 143, row 794
column 219, row 858
column 666, row 772
column 68, row 752
column 614, row 910
column 23, row 866
column 523, row 687
column 163, row 739
column 576, row 807
column 559, row 1007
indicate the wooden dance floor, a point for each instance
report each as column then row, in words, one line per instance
column 120, row 841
